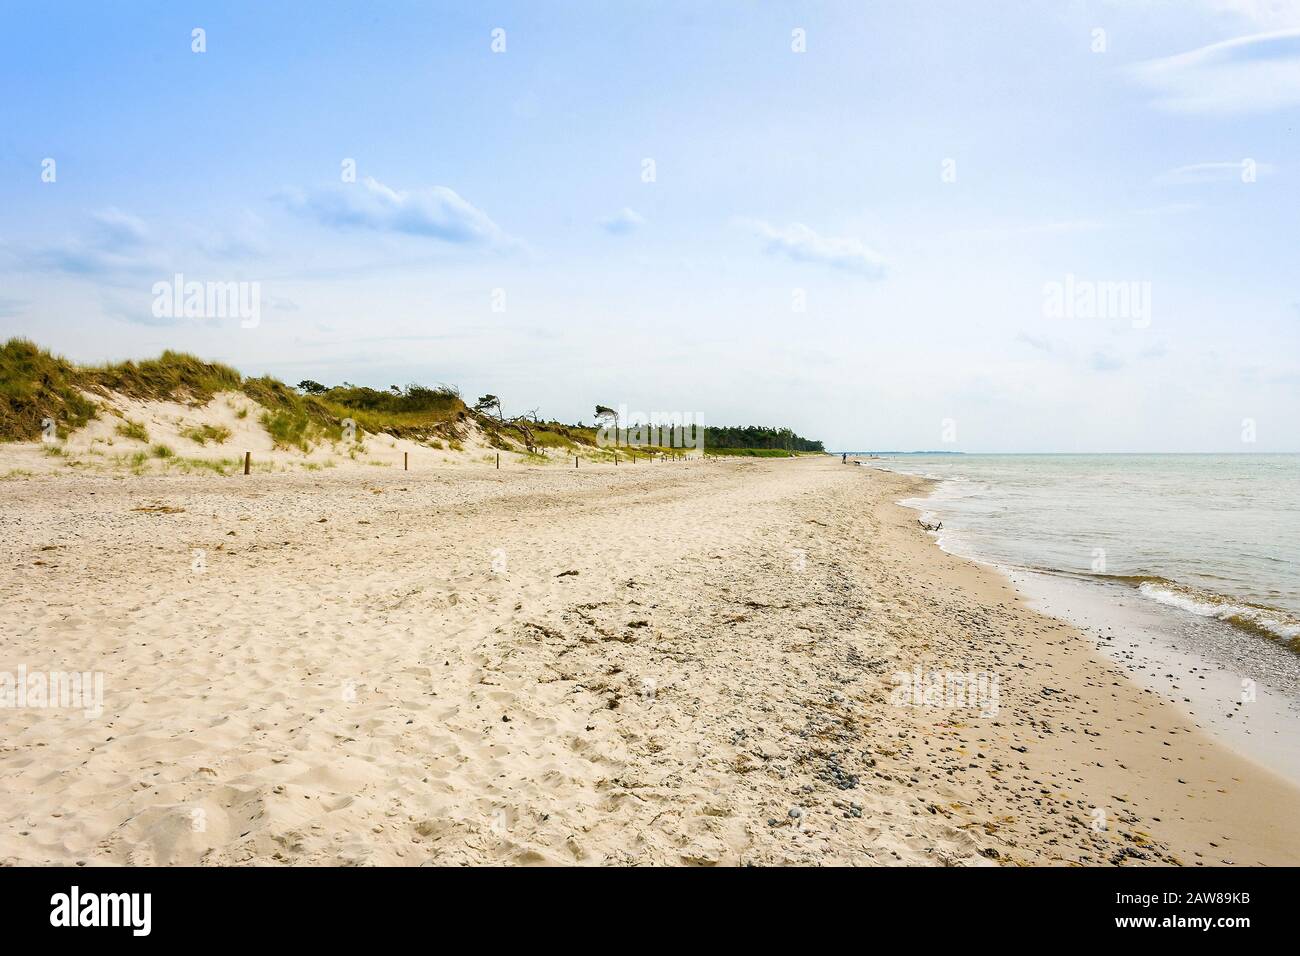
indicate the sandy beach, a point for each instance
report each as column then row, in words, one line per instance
column 679, row 663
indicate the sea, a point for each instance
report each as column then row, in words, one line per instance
column 1184, row 569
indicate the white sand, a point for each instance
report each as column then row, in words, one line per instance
column 375, row 667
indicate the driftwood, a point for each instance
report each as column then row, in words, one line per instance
column 522, row 424
column 496, row 422
column 929, row 527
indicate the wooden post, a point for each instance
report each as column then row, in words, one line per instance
column 498, row 461
column 248, row 461
column 406, row 460
column 575, row 461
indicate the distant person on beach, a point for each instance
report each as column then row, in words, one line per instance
column 844, row 458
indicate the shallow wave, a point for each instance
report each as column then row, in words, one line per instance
column 944, row 502
column 1244, row 615
column 1249, row 617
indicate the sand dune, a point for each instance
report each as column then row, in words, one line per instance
column 677, row 663
column 126, row 433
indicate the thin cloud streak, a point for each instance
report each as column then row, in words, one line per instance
column 437, row 212
column 1198, row 173
column 800, row 243
column 1249, row 74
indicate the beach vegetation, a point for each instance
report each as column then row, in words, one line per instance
column 748, row 452
column 38, row 388
column 220, row 466
column 133, row 430
column 755, row 437
column 202, row 434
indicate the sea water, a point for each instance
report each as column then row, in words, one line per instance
column 1185, row 569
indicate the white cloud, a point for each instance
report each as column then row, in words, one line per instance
column 801, row 244
column 437, row 212
column 1169, row 209
column 244, row 237
column 9, row 308
column 283, row 304
column 1105, row 361
column 1247, row 74
column 622, row 222
column 1198, row 173
column 115, row 243
column 115, row 229
column 1036, row 342
column 1263, row 14
column 1274, row 13
column 1061, row 227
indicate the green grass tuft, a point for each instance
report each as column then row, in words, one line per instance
column 134, row 431
column 35, row 386
column 290, row 428
column 220, row 466
column 202, row 434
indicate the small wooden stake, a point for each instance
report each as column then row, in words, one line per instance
column 248, row 461
column 498, row 461
column 406, row 460
column 575, row 461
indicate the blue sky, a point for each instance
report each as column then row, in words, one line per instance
column 916, row 179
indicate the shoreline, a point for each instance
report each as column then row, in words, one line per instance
column 1227, row 681
column 690, row 664
column 1188, row 810
column 1189, row 590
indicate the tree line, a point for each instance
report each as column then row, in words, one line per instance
column 757, row 436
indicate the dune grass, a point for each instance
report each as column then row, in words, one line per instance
column 133, row 430
column 173, row 376
column 202, row 434
column 220, row 466
column 37, row 386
